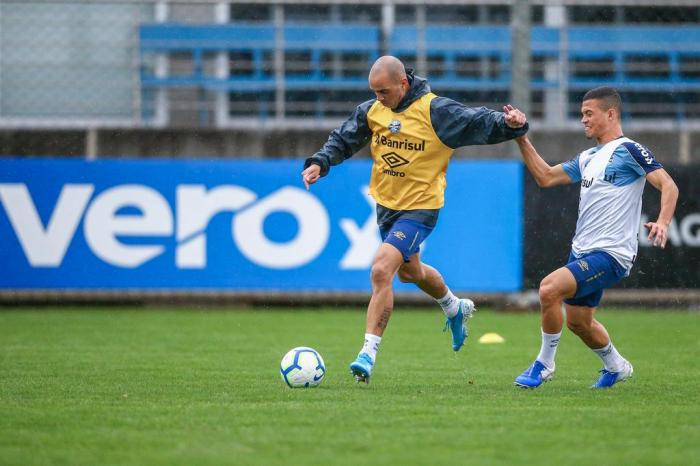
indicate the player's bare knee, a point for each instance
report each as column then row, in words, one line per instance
column 549, row 292
column 380, row 275
column 578, row 327
column 410, row 276
column 405, row 277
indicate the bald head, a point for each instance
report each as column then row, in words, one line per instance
column 389, row 66
column 388, row 80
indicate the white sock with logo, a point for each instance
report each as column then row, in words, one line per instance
column 612, row 360
column 449, row 304
column 371, row 345
column 548, row 350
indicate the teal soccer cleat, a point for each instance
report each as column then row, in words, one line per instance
column 458, row 323
column 607, row 379
column 534, row 376
column 362, row 367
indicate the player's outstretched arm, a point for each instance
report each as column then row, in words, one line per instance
column 457, row 125
column 658, row 230
column 545, row 175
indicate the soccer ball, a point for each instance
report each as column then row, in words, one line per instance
column 302, row 367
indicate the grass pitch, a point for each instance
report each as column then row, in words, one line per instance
column 185, row 387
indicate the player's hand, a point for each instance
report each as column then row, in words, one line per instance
column 514, row 117
column 310, row 175
column 657, row 233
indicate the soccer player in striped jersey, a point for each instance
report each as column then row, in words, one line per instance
column 412, row 134
column 612, row 176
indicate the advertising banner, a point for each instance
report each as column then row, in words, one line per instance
column 238, row 226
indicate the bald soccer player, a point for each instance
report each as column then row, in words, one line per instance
column 412, row 134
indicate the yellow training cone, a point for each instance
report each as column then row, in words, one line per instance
column 488, row 338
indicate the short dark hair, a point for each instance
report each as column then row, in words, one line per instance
column 609, row 97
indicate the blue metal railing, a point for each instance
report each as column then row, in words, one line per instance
column 337, row 56
column 614, row 45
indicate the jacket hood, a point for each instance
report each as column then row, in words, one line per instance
column 419, row 87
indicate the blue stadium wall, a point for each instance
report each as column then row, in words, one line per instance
column 250, row 226
column 238, row 226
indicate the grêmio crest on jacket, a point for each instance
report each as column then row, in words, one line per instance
column 394, row 126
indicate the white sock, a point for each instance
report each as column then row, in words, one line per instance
column 371, row 345
column 449, row 304
column 548, row 350
column 612, row 360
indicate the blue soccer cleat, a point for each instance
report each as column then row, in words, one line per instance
column 458, row 323
column 607, row 379
column 534, row 376
column 362, row 367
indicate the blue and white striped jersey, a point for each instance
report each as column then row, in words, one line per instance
column 612, row 180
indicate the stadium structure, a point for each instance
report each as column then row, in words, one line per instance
column 269, row 79
column 97, row 73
